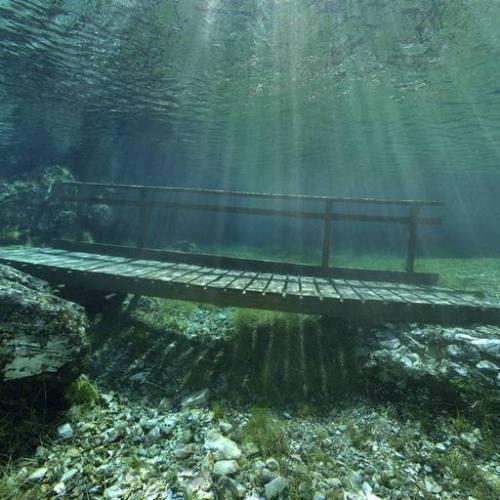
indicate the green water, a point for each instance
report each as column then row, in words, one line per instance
column 263, row 92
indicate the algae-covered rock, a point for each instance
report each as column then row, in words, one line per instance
column 461, row 363
column 29, row 212
column 42, row 337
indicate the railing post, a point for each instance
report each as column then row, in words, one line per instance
column 80, row 214
column 327, row 234
column 143, row 219
column 412, row 238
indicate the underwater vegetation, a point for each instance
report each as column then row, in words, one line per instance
column 266, row 431
column 81, row 392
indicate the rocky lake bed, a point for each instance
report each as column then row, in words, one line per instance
column 176, row 415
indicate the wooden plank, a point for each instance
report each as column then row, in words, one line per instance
column 27, row 252
column 227, row 280
column 250, row 264
column 450, row 296
column 309, row 288
column 252, row 280
column 127, row 268
column 260, row 283
column 276, row 285
column 241, row 282
column 269, row 281
column 64, row 260
column 92, row 265
column 153, row 271
column 365, row 293
column 209, row 279
column 326, row 290
column 202, row 273
column 345, row 289
column 334, row 287
column 176, row 273
column 385, row 294
column 446, row 298
column 407, row 294
column 292, row 286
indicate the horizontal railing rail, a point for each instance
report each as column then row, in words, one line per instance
column 84, row 193
column 248, row 194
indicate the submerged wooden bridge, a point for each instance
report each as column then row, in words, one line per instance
column 356, row 294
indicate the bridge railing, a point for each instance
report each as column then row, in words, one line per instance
column 88, row 193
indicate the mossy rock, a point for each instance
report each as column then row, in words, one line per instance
column 81, row 392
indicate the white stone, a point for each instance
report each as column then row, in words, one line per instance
column 65, row 431
column 225, row 427
column 272, row 464
column 487, row 366
column 390, row 344
column 225, row 467
column 59, row 488
column 488, row 346
column 153, row 435
column 223, row 448
column 431, row 486
column 237, row 489
column 38, row 475
column 69, row 474
column 275, row 487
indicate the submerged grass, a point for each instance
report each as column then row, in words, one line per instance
column 460, row 273
column 266, row 432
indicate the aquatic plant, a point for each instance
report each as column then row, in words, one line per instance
column 82, row 392
column 218, row 410
column 266, row 432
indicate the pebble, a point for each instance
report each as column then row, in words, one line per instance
column 225, row 467
column 59, row 488
column 431, row 486
column 223, row 448
column 488, row 346
column 272, row 464
column 69, row 474
column 275, row 487
column 38, row 475
column 65, row 431
column 355, row 480
column 225, row 427
column 184, row 452
column 487, row 366
column 266, row 475
column 153, row 435
column 390, row 344
column 236, row 488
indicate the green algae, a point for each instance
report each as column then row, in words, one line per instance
column 81, row 392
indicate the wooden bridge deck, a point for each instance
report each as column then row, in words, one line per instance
column 372, row 301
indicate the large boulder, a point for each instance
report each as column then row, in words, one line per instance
column 43, row 344
column 463, row 363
